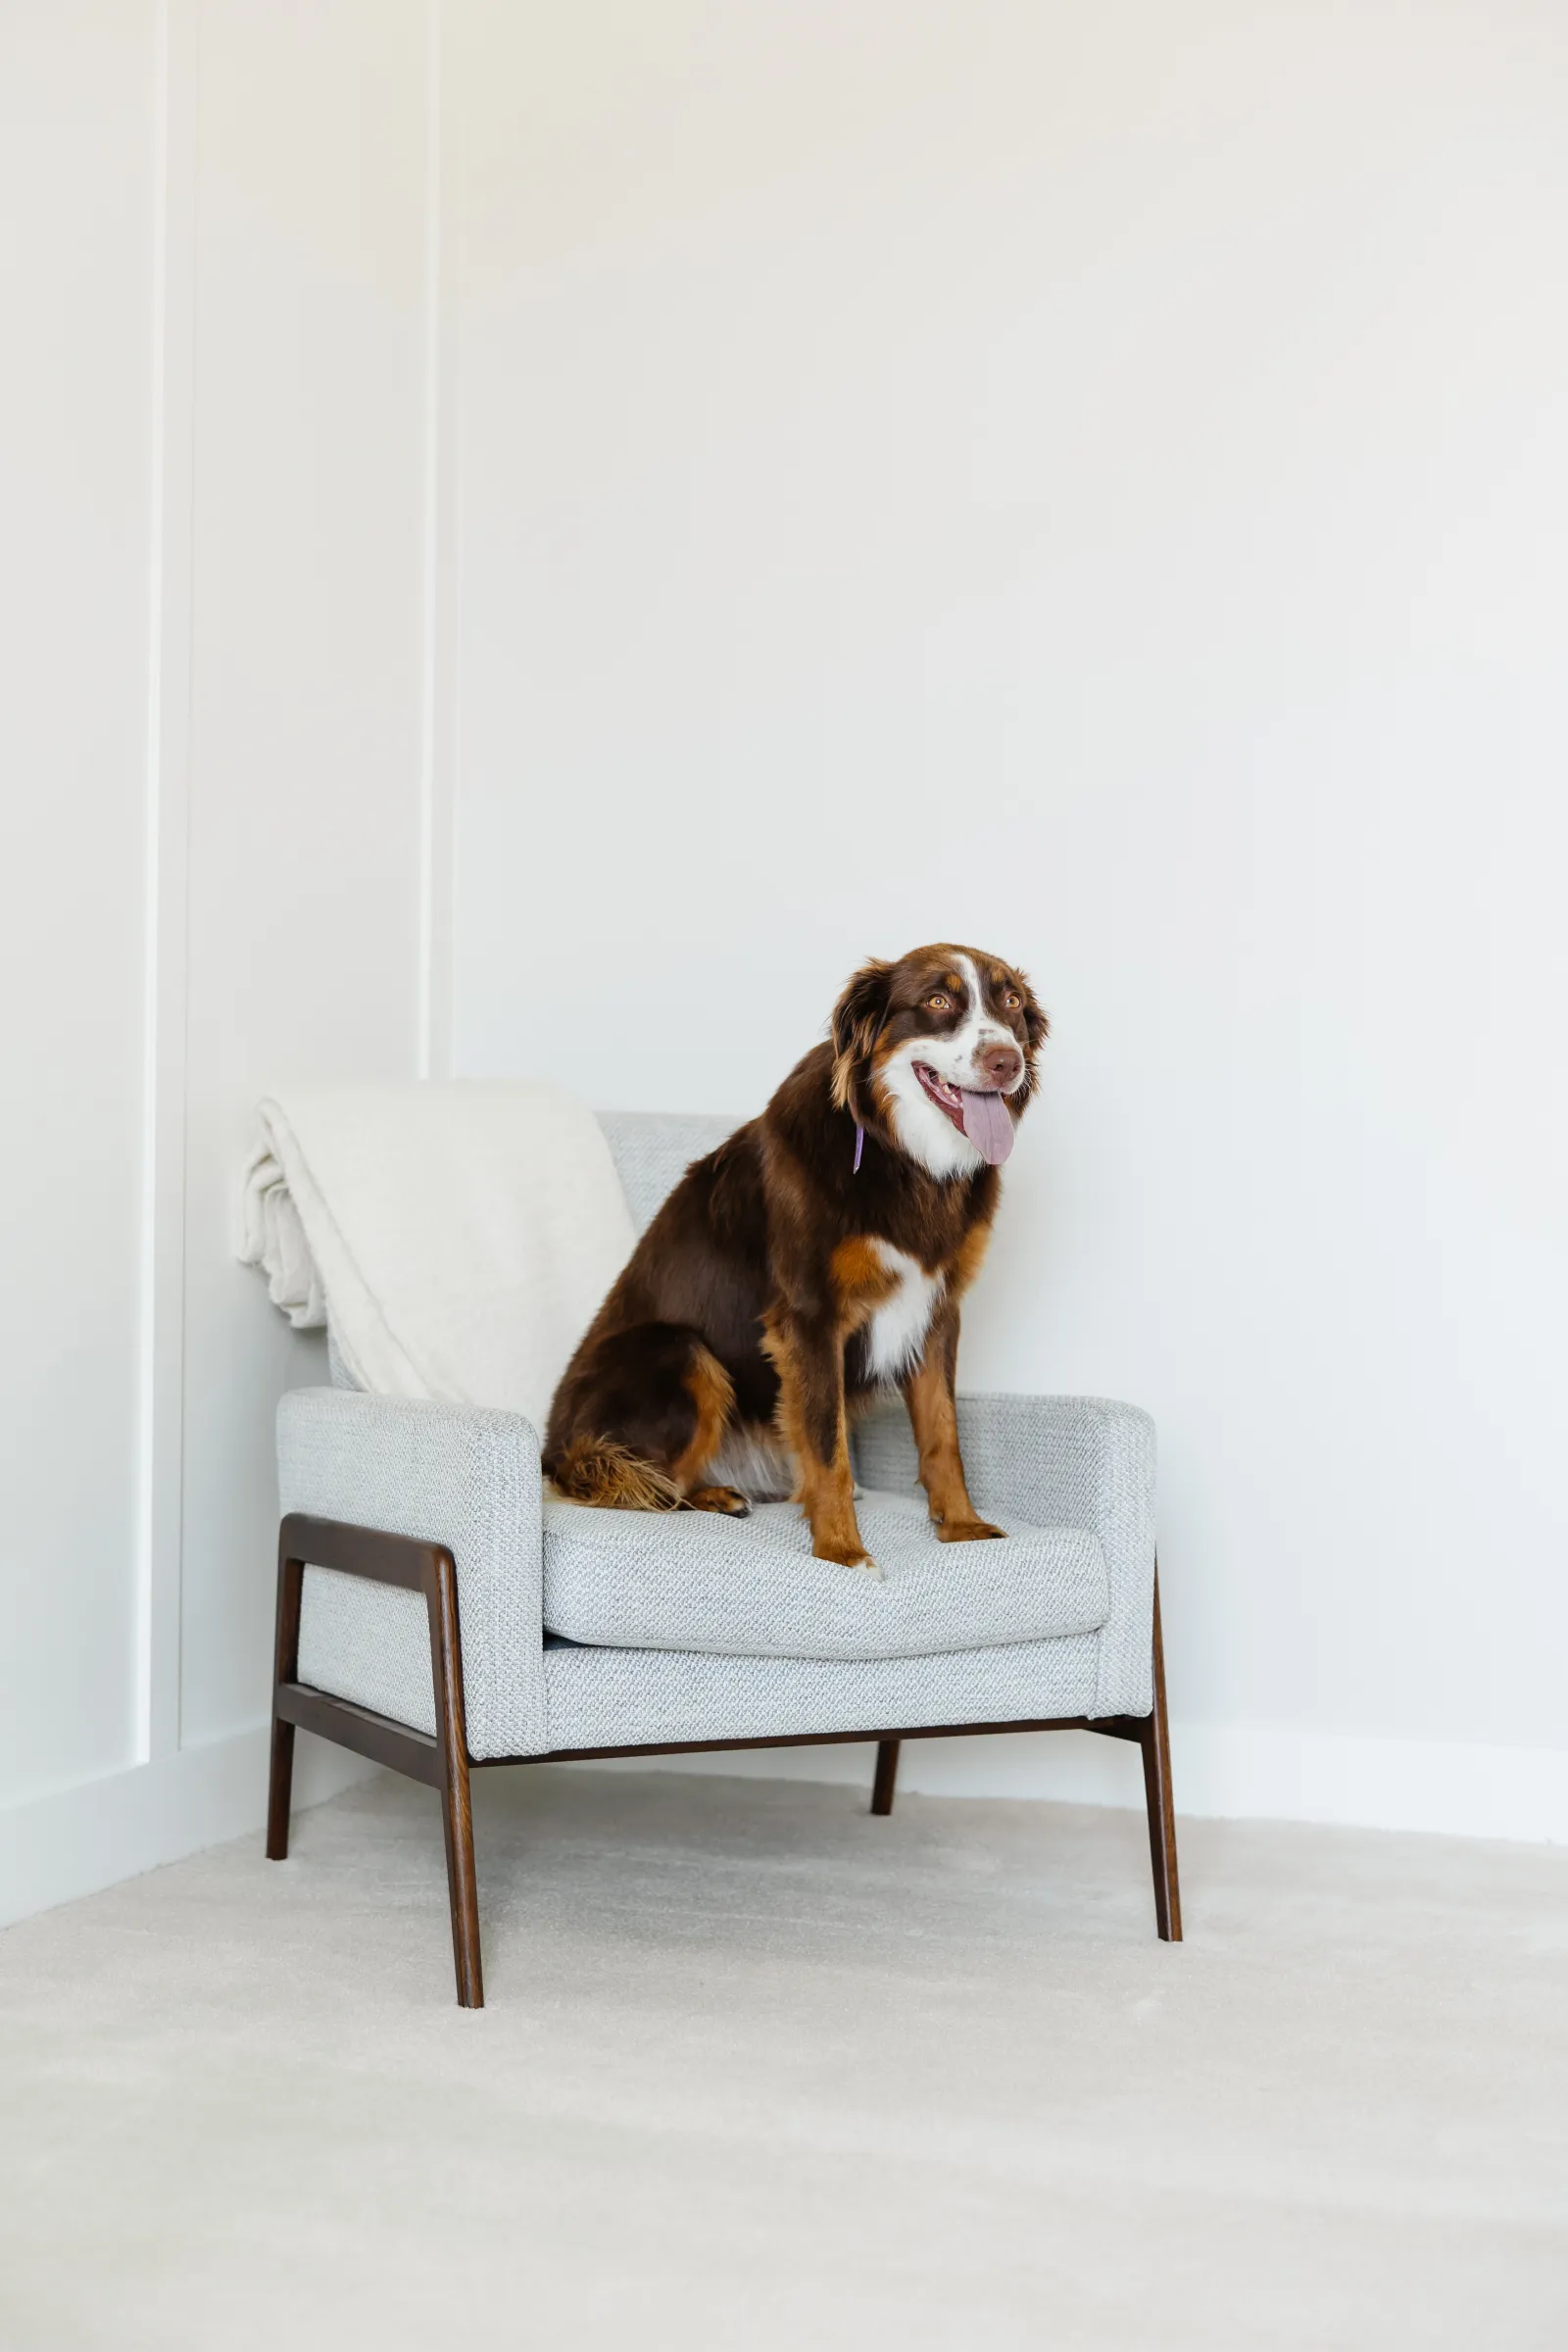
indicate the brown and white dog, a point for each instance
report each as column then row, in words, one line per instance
column 815, row 1258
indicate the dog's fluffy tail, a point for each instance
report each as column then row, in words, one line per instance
column 598, row 1470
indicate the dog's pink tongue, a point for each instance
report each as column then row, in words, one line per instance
column 987, row 1125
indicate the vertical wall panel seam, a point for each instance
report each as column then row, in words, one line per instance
column 161, row 1302
column 436, row 748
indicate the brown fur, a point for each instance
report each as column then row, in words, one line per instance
column 713, row 1394
column 933, row 1415
column 967, row 1259
column 744, row 1305
column 598, row 1470
column 861, row 1280
column 816, row 1427
column 727, row 1500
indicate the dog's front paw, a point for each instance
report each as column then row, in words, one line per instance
column 843, row 1557
column 966, row 1530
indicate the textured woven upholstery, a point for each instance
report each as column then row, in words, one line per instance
column 1056, row 1461
column 750, row 1588
column 1080, row 1468
column 639, row 1697
column 452, row 1475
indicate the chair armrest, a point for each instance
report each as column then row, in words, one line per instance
column 446, row 1474
column 1057, row 1461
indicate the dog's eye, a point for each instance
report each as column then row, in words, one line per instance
column 939, row 1002
column 1013, row 1001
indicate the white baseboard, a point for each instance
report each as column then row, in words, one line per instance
column 77, row 1840
column 1228, row 1771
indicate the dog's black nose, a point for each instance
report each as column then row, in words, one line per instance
column 1002, row 1067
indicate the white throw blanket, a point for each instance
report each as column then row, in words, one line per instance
column 461, row 1237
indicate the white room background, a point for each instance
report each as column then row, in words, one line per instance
column 546, row 534
column 222, row 766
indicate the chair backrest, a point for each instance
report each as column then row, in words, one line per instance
column 653, row 1149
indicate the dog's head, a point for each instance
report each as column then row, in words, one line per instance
column 939, row 1052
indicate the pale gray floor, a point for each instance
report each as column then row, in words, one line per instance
column 759, row 2071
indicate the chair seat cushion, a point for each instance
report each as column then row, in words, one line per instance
column 750, row 1588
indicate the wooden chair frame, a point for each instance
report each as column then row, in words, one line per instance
column 443, row 1761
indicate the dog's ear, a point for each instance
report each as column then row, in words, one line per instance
column 858, row 1019
column 1036, row 1031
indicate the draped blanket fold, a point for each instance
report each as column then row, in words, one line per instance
column 459, row 1237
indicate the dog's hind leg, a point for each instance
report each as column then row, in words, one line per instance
column 712, row 1395
column 728, row 1500
column 637, row 1420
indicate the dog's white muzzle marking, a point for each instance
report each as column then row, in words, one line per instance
column 924, row 1130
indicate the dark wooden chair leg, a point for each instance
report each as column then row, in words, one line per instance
column 887, row 1773
column 286, row 1660
column 1154, row 1741
column 452, row 1755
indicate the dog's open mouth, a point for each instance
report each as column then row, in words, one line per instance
column 983, row 1117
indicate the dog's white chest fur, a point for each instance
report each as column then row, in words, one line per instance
column 896, row 1333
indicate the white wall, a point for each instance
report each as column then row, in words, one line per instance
column 223, row 823
column 1093, row 481
column 77, row 99
column 795, row 481
column 308, row 689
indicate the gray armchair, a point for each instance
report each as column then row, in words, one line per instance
column 439, row 1609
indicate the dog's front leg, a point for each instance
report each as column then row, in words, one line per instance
column 929, row 1393
column 807, row 1352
